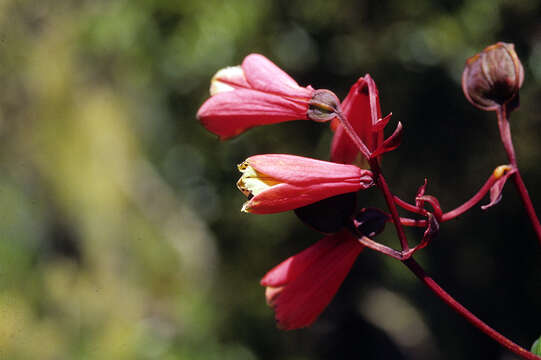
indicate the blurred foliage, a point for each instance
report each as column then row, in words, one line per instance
column 536, row 347
column 120, row 235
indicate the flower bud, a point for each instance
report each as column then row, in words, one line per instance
column 493, row 77
column 252, row 94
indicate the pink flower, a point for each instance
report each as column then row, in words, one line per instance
column 301, row 287
column 259, row 93
column 277, row 182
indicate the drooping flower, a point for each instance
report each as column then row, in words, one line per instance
column 259, row 93
column 278, row 182
column 301, row 287
column 362, row 109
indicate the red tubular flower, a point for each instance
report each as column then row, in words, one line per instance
column 259, row 93
column 277, row 182
column 301, row 287
column 362, row 109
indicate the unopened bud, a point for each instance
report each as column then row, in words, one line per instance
column 493, row 77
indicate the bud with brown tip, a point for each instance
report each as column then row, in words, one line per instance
column 493, row 77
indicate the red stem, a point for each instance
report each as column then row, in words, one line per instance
column 389, row 199
column 465, row 313
column 438, row 290
column 416, row 268
column 409, row 207
column 505, row 134
column 369, row 243
column 413, row 222
column 450, row 214
column 471, row 202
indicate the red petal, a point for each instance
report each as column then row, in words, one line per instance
column 300, row 301
column 343, row 150
column 300, row 170
column 230, row 113
column 391, row 143
column 356, row 108
column 361, row 108
column 264, row 75
column 285, row 197
column 289, row 269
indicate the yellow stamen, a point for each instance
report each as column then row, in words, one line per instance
column 252, row 182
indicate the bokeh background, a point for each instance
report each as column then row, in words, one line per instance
column 120, row 230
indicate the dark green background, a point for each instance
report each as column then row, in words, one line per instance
column 120, row 230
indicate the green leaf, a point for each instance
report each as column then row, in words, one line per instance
column 536, row 347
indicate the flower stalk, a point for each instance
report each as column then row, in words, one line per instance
column 405, row 257
column 415, row 268
column 452, row 214
column 505, row 134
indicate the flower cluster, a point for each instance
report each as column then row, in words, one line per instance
column 322, row 193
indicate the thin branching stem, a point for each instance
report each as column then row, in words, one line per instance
column 389, row 199
column 446, row 297
column 417, row 269
column 465, row 313
column 505, row 134
column 474, row 200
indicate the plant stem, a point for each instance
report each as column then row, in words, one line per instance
column 450, row 214
column 465, row 313
column 389, row 199
column 505, row 134
column 438, row 290
column 409, row 207
column 371, row 244
column 414, row 266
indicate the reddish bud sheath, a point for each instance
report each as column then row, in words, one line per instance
column 493, row 77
